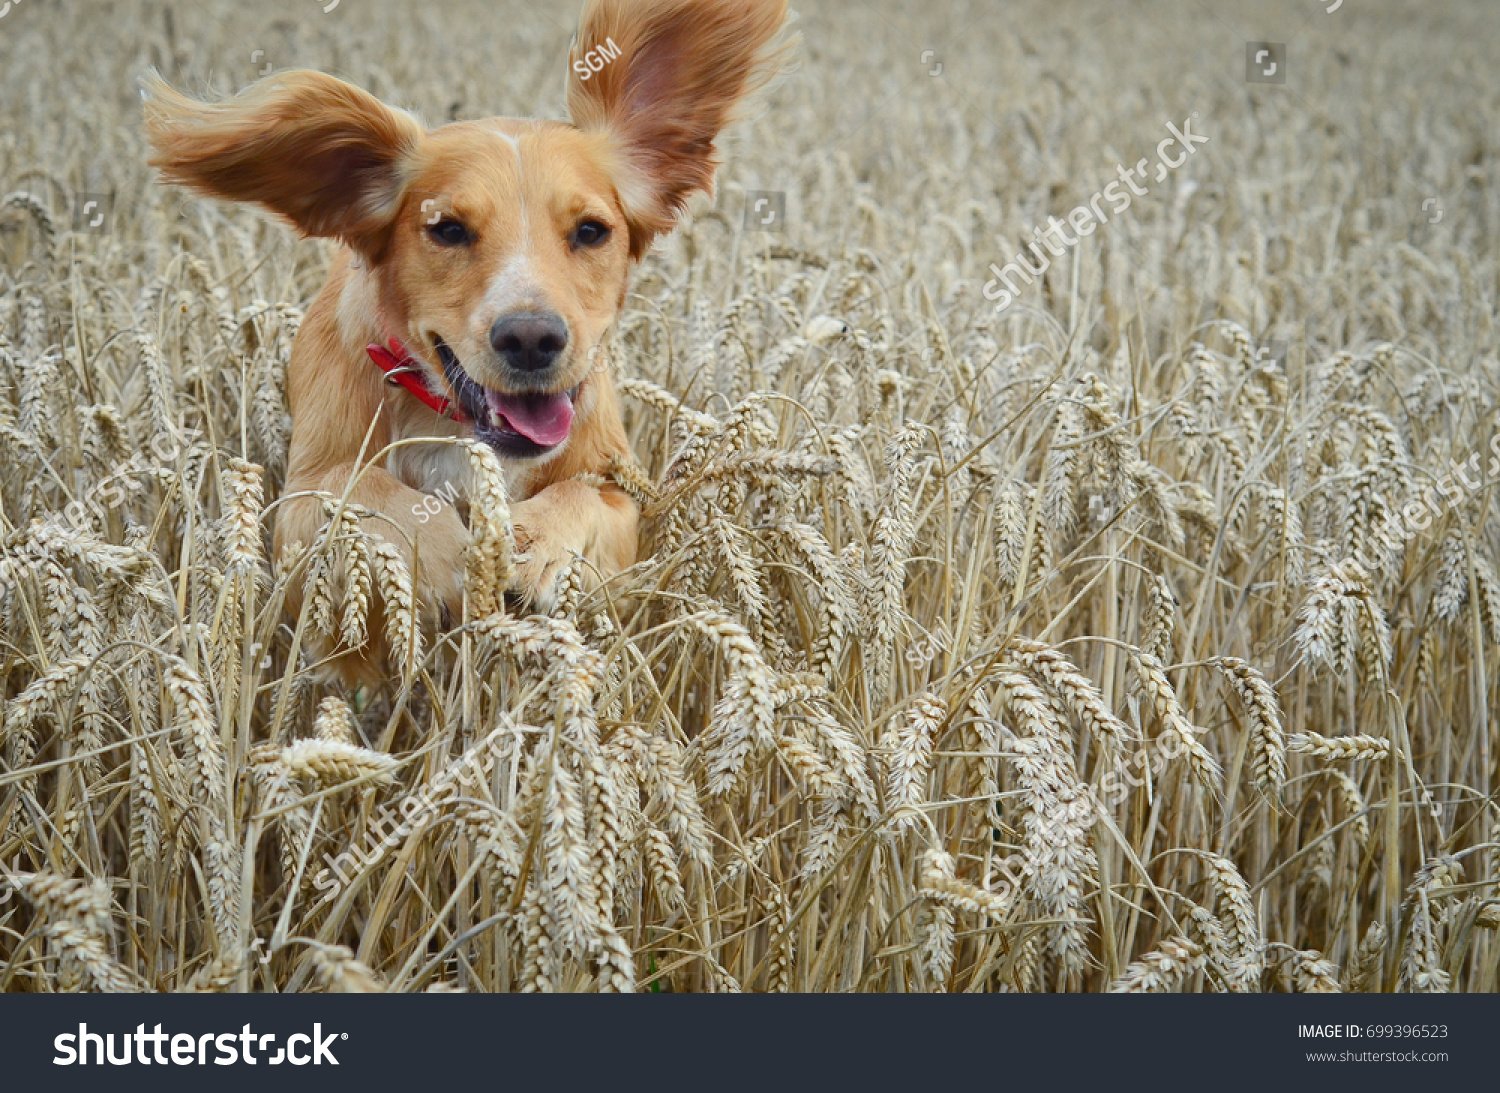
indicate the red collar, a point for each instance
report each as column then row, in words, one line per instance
column 402, row 370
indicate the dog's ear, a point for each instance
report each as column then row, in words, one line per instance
column 324, row 154
column 661, row 78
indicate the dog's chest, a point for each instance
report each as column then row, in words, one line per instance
column 442, row 470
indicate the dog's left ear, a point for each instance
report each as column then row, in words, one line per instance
column 661, row 78
column 329, row 157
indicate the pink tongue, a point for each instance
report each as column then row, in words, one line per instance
column 542, row 419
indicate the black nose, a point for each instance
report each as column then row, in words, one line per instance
column 529, row 340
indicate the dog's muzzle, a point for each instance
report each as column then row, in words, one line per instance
column 516, row 425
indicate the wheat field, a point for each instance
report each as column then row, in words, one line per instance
column 1139, row 636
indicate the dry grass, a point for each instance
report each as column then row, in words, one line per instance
column 973, row 652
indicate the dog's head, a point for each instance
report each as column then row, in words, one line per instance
column 497, row 250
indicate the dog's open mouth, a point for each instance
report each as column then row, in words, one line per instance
column 512, row 424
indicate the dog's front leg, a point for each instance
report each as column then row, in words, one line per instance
column 566, row 519
column 426, row 530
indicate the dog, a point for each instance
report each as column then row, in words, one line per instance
column 482, row 263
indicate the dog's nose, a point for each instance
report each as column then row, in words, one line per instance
column 529, row 340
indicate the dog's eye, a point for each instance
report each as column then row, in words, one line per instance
column 590, row 233
column 449, row 233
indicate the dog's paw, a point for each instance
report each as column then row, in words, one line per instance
column 541, row 558
column 439, row 584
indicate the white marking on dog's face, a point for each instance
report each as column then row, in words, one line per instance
column 513, row 288
column 514, row 285
column 515, row 146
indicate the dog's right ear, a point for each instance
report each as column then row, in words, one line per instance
column 329, row 157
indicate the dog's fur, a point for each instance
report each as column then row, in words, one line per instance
column 338, row 163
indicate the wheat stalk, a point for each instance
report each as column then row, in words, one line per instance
column 1154, row 684
column 333, row 762
column 1235, row 911
column 1163, row 971
column 1339, row 747
column 78, row 926
column 909, row 758
column 1267, row 740
column 1077, row 692
column 1363, row 971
